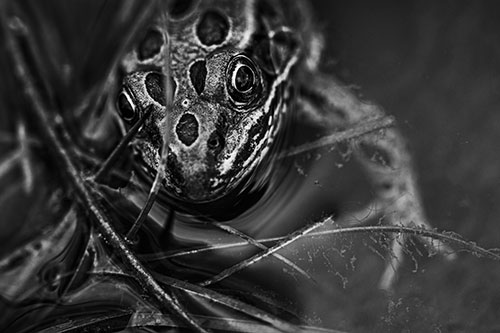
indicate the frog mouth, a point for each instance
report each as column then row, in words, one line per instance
column 197, row 191
column 200, row 191
column 194, row 184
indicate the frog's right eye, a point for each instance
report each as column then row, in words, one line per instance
column 126, row 107
column 244, row 82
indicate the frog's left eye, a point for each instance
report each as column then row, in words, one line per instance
column 126, row 107
column 243, row 81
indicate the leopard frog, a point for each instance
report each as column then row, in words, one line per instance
column 239, row 72
column 232, row 67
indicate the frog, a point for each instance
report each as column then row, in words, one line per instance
column 223, row 80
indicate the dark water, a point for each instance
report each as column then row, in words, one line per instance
column 432, row 65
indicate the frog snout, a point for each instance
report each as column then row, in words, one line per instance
column 195, row 156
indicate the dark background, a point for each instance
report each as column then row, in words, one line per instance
column 435, row 65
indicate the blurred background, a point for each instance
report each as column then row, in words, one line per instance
column 435, row 66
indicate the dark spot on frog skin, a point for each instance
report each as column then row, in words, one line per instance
column 154, row 86
column 180, row 8
column 150, row 45
column 212, row 29
column 198, row 75
column 174, row 168
column 187, row 129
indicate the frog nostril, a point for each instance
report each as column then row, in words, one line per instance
column 180, row 8
column 215, row 142
column 187, row 129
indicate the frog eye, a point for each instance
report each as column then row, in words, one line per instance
column 126, row 107
column 244, row 81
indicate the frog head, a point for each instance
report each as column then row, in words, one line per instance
column 229, row 80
